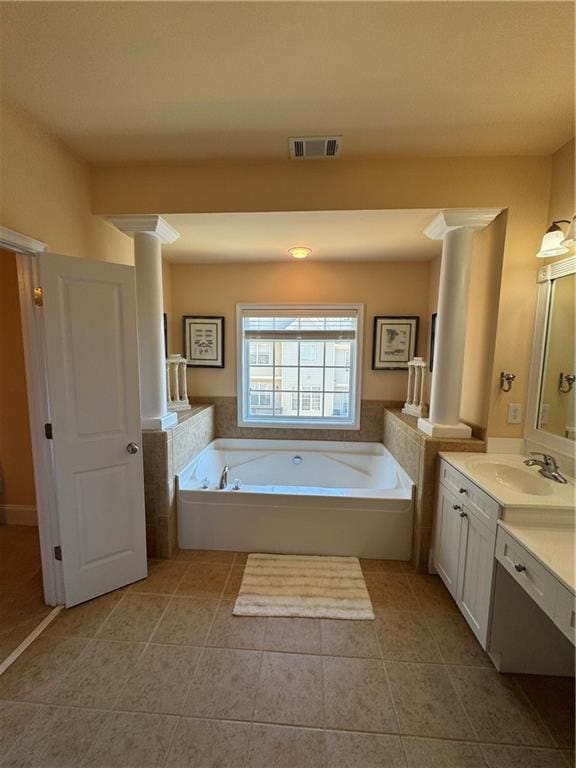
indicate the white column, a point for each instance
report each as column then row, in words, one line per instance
column 149, row 233
column 456, row 230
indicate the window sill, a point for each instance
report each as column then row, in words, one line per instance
column 301, row 424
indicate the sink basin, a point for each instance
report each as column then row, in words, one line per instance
column 515, row 478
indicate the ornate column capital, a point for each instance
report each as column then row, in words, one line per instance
column 150, row 224
column 460, row 218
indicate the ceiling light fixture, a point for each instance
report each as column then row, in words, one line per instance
column 300, row 252
column 554, row 242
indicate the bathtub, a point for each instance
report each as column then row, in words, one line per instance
column 297, row 497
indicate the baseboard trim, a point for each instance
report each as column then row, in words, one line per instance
column 18, row 514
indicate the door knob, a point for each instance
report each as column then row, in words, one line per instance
column 519, row 567
column 132, row 447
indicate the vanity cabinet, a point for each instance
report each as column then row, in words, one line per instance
column 464, row 544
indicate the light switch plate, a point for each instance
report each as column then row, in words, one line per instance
column 514, row 413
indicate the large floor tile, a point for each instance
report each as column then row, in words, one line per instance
column 134, row 619
column 390, row 591
column 431, row 594
column 224, row 685
column 384, row 566
column 350, row 638
column 404, row 636
column 161, row 680
column 233, row 583
column 426, row 702
column 98, row 675
column 15, row 717
column 209, row 744
column 290, row 690
column 357, row 695
column 86, row 619
column 164, row 576
column 553, row 699
column 186, row 621
column 218, row 556
column 498, row 756
column 498, row 709
column 456, row 641
column 285, row 747
column 436, row 753
column 363, row 750
column 293, row 635
column 40, row 668
column 204, row 580
column 569, row 757
column 57, row 738
column 229, row 631
column 129, row 740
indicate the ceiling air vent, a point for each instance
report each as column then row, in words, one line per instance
column 314, row 147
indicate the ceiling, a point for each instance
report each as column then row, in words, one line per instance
column 147, row 82
column 332, row 235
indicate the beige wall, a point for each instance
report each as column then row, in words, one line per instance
column 519, row 184
column 383, row 287
column 16, row 469
column 561, row 205
column 45, row 192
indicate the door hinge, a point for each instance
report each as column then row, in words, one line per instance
column 38, row 297
column 58, row 553
column 48, row 432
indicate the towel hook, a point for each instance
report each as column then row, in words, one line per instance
column 506, row 380
column 569, row 378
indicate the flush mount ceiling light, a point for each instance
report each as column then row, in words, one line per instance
column 300, row 252
column 554, row 242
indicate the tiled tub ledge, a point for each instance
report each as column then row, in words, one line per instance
column 165, row 453
column 418, row 453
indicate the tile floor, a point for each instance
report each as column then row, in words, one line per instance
column 21, row 597
column 162, row 674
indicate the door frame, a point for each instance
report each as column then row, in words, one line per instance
column 25, row 249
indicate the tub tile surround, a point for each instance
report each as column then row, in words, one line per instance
column 418, row 453
column 263, row 694
column 166, row 452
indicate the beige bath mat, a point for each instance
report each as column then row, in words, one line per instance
column 309, row 587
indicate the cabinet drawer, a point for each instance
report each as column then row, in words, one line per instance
column 479, row 503
column 565, row 616
column 536, row 580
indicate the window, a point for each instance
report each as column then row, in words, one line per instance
column 299, row 366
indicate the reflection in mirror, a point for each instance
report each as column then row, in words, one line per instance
column 556, row 412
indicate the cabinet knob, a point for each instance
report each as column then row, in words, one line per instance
column 462, row 490
column 463, row 514
column 456, row 507
column 519, row 567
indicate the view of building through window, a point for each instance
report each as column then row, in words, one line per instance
column 299, row 367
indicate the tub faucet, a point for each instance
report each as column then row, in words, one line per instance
column 224, row 478
column 548, row 467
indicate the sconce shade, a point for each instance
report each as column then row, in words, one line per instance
column 570, row 239
column 552, row 243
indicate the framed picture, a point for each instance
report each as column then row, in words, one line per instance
column 203, row 341
column 394, row 342
column 432, row 338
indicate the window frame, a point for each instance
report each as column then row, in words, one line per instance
column 351, row 422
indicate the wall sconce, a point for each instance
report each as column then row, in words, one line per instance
column 554, row 242
column 569, row 378
column 506, row 380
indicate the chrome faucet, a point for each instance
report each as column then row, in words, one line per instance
column 548, row 466
column 224, row 478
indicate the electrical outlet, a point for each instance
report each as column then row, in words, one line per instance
column 514, row 413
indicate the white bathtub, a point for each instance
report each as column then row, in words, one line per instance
column 297, row 497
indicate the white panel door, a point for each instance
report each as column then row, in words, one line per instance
column 447, row 538
column 89, row 312
column 475, row 573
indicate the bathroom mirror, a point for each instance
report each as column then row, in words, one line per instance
column 552, row 400
column 558, row 385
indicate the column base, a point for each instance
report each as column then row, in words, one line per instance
column 160, row 422
column 444, row 430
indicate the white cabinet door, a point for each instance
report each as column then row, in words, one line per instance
column 89, row 318
column 447, row 538
column 477, row 544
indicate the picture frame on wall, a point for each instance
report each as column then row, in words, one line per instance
column 394, row 342
column 203, row 341
column 432, row 338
